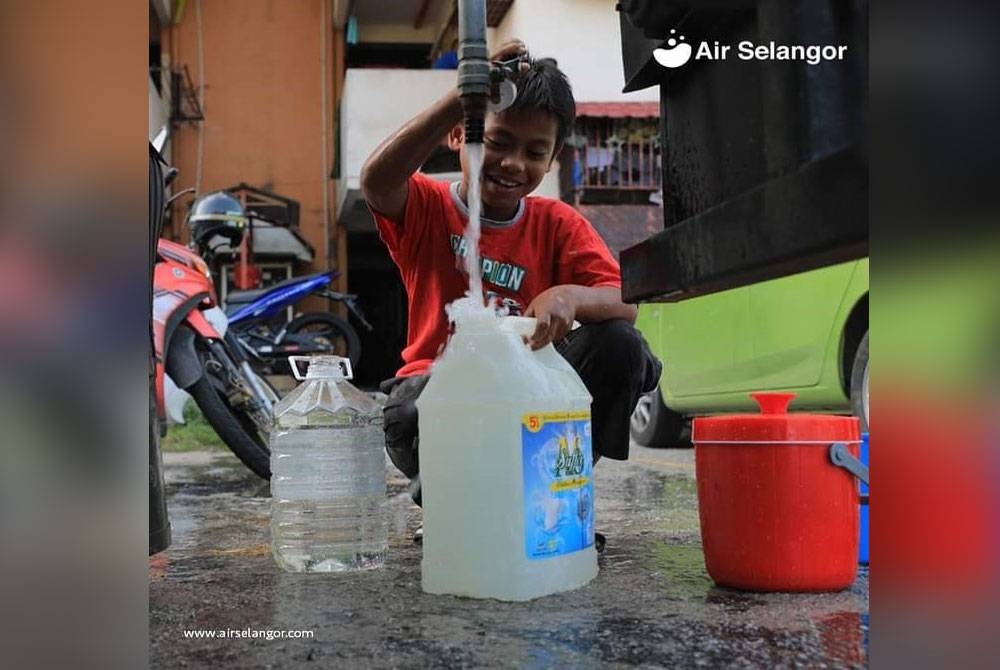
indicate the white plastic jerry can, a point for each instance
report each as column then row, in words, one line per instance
column 506, row 467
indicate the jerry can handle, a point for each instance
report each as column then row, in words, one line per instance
column 525, row 325
column 840, row 456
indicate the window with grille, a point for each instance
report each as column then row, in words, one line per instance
column 616, row 159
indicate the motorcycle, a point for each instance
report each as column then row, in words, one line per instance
column 258, row 317
column 258, row 320
column 203, row 361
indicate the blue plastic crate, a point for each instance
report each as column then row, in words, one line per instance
column 863, row 545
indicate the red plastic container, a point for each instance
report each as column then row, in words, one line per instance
column 776, row 513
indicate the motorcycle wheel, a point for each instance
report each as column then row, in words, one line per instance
column 236, row 428
column 342, row 337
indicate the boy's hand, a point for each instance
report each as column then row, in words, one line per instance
column 555, row 311
column 510, row 61
column 513, row 48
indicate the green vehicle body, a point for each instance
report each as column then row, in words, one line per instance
column 798, row 333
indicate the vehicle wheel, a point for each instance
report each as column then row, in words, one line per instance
column 859, row 383
column 238, row 430
column 343, row 339
column 653, row 424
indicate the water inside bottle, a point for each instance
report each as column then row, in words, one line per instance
column 328, row 474
column 328, row 487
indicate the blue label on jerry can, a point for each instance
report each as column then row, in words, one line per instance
column 558, row 483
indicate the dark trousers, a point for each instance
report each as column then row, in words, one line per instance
column 612, row 359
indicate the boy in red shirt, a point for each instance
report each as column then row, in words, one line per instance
column 539, row 256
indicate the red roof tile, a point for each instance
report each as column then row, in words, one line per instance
column 623, row 226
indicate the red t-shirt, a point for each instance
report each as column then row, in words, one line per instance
column 546, row 244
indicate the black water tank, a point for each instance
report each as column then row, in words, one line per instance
column 765, row 159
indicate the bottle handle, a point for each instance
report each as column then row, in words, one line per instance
column 293, row 363
column 344, row 363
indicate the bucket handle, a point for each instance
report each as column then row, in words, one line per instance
column 840, row 456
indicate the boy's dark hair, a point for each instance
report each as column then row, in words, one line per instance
column 546, row 88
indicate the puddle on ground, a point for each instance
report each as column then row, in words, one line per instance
column 652, row 603
column 683, row 570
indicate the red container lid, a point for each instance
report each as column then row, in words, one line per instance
column 774, row 425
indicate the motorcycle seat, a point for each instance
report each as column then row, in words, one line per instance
column 244, row 297
column 241, row 298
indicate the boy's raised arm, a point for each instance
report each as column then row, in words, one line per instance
column 385, row 175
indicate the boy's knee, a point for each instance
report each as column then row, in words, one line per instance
column 616, row 342
column 607, row 349
column 400, row 423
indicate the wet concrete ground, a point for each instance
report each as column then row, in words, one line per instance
column 652, row 605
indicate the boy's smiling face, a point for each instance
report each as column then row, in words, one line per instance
column 520, row 148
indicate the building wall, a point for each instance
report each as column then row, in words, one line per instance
column 378, row 101
column 583, row 35
column 269, row 96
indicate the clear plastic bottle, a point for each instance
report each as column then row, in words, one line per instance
column 327, row 473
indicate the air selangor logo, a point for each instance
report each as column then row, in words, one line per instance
column 679, row 52
column 676, row 55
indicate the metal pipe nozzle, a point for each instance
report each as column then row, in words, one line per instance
column 473, row 67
